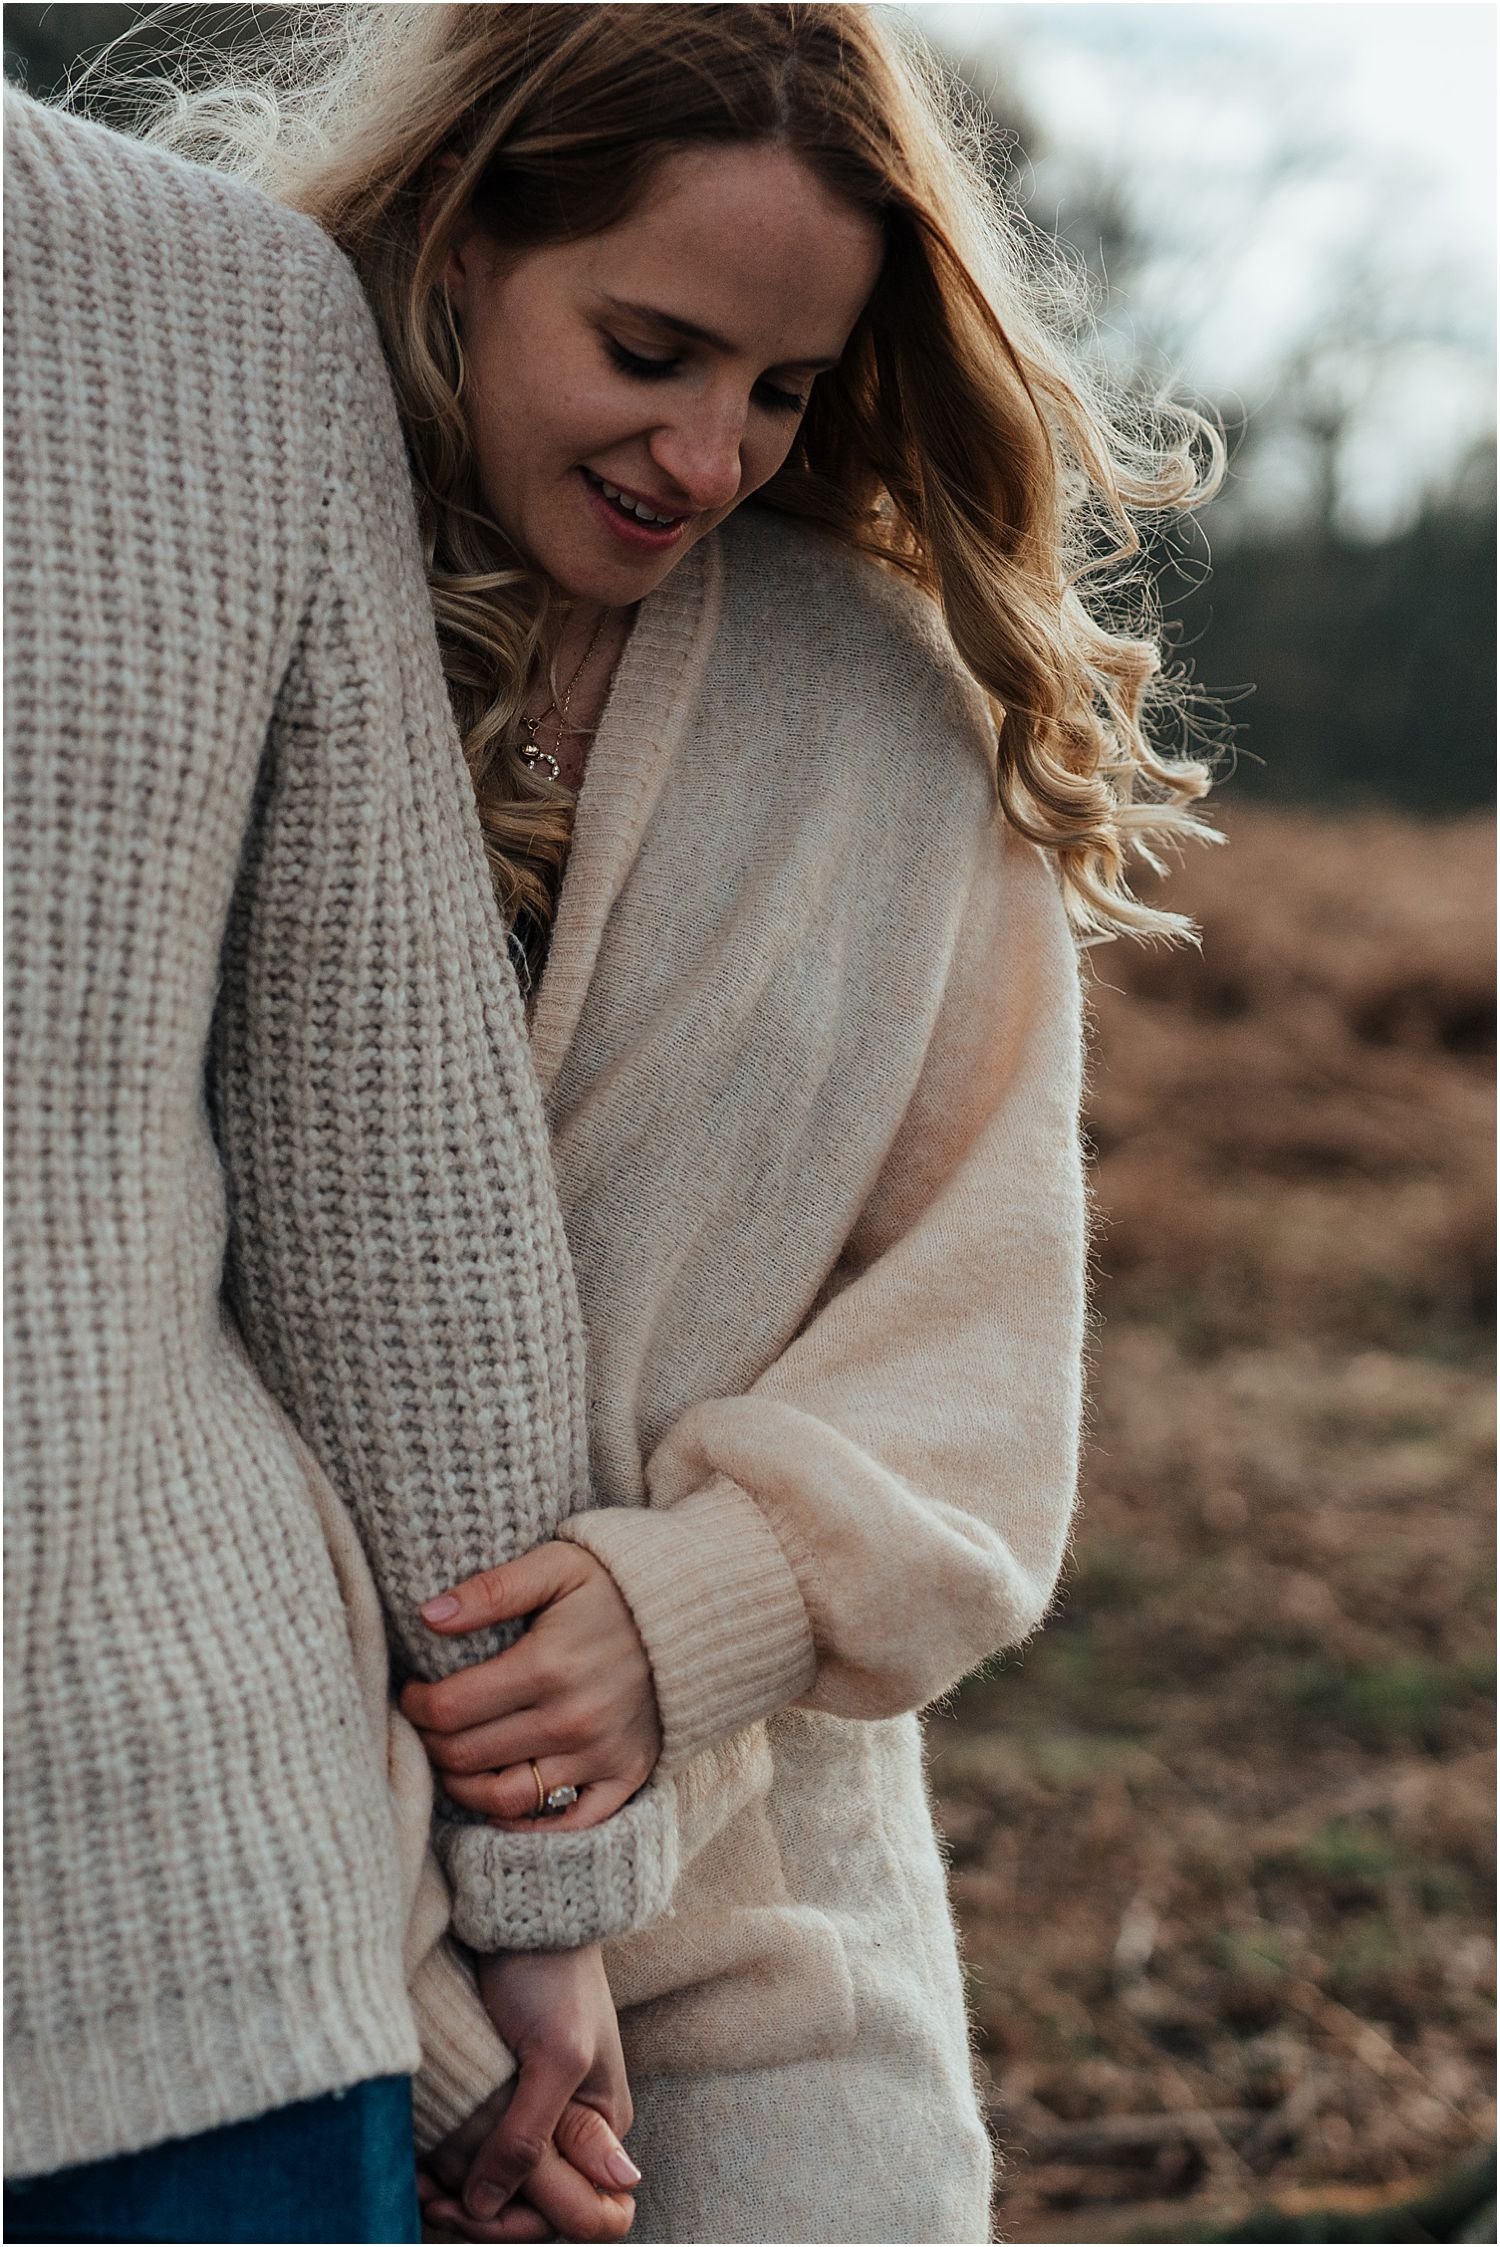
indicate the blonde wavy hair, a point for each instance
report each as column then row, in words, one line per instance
column 960, row 441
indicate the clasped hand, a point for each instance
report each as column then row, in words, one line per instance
column 573, row 1695
column 541, row 2158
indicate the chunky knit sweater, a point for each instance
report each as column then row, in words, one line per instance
column 225, row 720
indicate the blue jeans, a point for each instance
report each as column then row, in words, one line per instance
column 337, row 2168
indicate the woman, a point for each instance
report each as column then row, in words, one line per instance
column 788, row 805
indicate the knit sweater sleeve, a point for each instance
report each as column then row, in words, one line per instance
column 889, row 1504
column 397, row 1261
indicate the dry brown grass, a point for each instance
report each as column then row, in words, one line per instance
column 1222, row 1838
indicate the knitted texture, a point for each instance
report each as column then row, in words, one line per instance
column 810, row 1029
column 203, row 1908
column 811, row 1041
column 397, row 1262
column 463, row 2059
column 240, row 824
column 836, row 1378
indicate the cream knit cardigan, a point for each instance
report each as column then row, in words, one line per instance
column 809, row 1037
column 218, row 643
column 809, row 1033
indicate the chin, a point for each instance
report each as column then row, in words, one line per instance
column 615, row 585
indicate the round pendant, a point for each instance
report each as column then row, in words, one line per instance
column 535, row 755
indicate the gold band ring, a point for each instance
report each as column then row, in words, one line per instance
column 541, row 1792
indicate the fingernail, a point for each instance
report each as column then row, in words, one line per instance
column 623, row 2169
column 484, row 2201
column 439, row 1610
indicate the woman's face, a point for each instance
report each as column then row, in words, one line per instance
column 661, row 366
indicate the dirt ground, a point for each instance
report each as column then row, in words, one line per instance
column 1222, row 1836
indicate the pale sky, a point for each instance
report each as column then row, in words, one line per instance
column 1390, row 105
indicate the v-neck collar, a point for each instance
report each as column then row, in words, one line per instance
column 638, row 734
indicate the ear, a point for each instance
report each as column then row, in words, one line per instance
column 439, row 179
column 439, row 174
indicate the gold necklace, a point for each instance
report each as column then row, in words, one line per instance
column 531, row 749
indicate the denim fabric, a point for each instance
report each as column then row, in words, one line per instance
column 340, row 2167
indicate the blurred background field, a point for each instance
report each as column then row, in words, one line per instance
column 1222, row 1836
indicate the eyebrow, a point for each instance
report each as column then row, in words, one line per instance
column 690, row 332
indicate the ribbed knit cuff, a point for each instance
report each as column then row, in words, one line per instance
column 463, row 2058
column 557, row 1891
column 717, row 1605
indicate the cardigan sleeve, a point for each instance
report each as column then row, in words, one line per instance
column 889, row 1504
column 397, row 1263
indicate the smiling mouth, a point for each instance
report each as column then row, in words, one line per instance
column 632, row 510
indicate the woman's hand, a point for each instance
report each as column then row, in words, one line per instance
column 574, row 2192
column 554, row 2010
column 574, row 1694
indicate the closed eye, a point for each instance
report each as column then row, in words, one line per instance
column 632, row 363
column 642, row 369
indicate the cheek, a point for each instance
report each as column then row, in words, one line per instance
column 764, row 450
column 500, row 407
column 533, row 421
column 587, row 409
column 522, row 397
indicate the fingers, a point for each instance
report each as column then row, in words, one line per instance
column 590, row 2215
column 573, row 2206
column 574, row 1726
column 512, row 1797
column 446, row 2219
column 492, row 1748
column 444, row 2168
column 502, row 1595
column 579, row 2190
column 586, row 2141
column 483, row 1693
column 522, row 2137
column 596, row 1801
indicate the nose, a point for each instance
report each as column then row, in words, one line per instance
column 700, row 452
